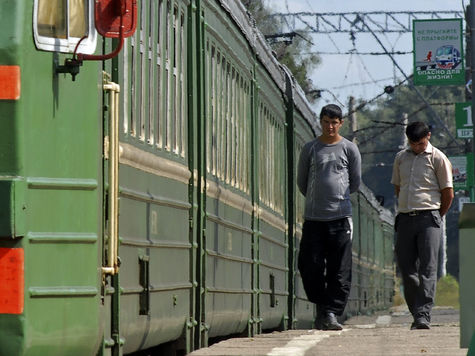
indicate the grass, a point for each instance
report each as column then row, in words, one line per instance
column 447, row 294
column 398, row 298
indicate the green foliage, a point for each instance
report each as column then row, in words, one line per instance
column 300, row 64
column 295, row 53
column 380, row 131
column 447, row 293
column 398, row 298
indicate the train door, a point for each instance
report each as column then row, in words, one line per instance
column 116, row 20
column 152, row 290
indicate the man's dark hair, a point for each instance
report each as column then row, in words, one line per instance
column 416, row 131
column 332, row 111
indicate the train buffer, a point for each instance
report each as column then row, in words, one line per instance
column 381, row 334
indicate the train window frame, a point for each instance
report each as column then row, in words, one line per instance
column 68, row 44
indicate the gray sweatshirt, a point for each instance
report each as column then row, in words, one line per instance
column 327, row 174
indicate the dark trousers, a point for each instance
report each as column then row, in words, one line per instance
column 324, row 263
column 417, row 251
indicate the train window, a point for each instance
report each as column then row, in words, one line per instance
column 175, row 35
column 59, row 25
column 212, row 115
column 227, row 132
column 271, row 156
column 158, row 80
column 167, row 37
column 175, row 87
column 233, row 129
column 219, row 101
column 155, row 67
column 150, row 64
column 133, row 81
column 168, row 106
column 142, row 102
column 52, row 19
column 183, row 56
column 239, row 132
column 247, row 131
column 159, row 20
column 227, row 124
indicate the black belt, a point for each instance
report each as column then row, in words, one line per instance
column 418, row 212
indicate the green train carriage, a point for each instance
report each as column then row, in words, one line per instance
column 197, row 177
column 373, row 262
column 52, row 184
column 304, row 132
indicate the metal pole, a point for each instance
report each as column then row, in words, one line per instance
column 352, row 117
column 403, row 144
column 468, row 77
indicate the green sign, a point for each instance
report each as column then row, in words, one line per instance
column 438, row 52
column 462, row 170
column 463, row 120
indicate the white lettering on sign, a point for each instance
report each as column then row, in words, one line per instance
column 468, row 111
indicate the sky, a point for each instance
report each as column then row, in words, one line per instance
column 361, row 76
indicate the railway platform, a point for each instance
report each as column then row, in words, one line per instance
column 380, row 334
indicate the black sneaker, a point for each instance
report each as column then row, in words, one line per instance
column 420, row 325
column 329, row 322
column 320, row 316
column 319, row 323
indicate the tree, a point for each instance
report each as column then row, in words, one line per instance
column 380, row 135
column 380, row 130
column 293, row 51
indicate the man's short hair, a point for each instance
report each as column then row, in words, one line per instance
column 416, row 131
column 332, row 111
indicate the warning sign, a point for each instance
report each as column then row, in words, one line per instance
column 438, row 52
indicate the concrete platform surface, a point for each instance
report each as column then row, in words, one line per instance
column 381, row 334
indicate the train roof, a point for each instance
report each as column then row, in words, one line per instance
column 277, row 71
column 385, row 214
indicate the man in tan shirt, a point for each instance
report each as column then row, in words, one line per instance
column 422, row 177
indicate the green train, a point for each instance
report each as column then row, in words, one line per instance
column 147, row 181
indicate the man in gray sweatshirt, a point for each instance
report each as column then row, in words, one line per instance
column 329, row 169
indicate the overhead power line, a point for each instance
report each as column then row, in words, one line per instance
column 402, row 53
column 374, row 23
column 372, row 82
column 285, row 37
column 411, row 85
column 354, row 22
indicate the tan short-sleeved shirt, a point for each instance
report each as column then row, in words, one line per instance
column 421, row 178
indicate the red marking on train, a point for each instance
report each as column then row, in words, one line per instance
column 12, row 261
column 9, row 82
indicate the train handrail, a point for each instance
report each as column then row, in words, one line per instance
column 112, row 265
